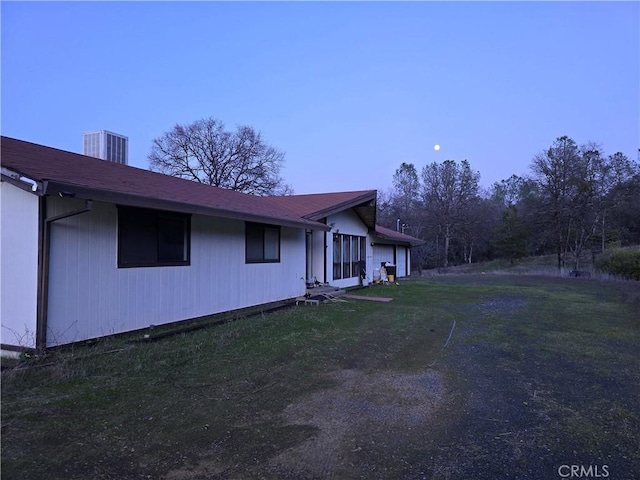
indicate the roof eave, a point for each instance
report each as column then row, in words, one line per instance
column 353, row 203
column 380, row 238
column 79, row 191
column 21, row 184
column 389, row 241
column 369, row 196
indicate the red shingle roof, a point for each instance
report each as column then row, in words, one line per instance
column 320, row 205
column 95, row 179
column 395, row 237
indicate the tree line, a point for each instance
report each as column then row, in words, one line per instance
column 575, row 201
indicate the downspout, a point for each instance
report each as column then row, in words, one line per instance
column 44, row 240
column 324, row 250
column 33, row 183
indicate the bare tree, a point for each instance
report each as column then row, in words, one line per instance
column 511, row 191
column 575, row 201
column 204, row 151
column 448, row 193
column 406, row 185
column 555, row 172
column 590, row 178
column 621, row 206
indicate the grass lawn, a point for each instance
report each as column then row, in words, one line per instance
column 539, row 372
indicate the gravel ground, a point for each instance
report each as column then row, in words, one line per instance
column 484, row 410
column 364, row 416
column 524, row 415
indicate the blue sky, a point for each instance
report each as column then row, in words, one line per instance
column 348, row 90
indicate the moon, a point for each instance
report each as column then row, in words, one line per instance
column 436, row 147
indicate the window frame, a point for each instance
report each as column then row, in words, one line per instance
column 348, row 251
column 160, row 221
column 261, row 229
column 337, row 256
column 346, row 256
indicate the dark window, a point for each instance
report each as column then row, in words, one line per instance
column 346, row 257
column 262, row 243
column 348, row 251
column 337, row 255
column 355, row 256
column 152, row 238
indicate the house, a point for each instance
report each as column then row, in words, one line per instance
column 91, row 248
column 393, row 247
column 336, row 256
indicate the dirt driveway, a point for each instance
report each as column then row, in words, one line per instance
column 522, row 409
column 507, row 398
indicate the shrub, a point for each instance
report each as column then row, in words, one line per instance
column 624, row 262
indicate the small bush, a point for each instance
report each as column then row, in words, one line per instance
column 623, row 262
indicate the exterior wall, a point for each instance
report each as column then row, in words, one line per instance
column 382, row 253
column 387, row 253
column 89, row 296
column 19, row 260
column 348, row 223
column 401, row 261
column 317, row 255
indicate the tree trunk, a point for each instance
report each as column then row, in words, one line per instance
column 446, row 246
column 603, row 231
column 559, row 252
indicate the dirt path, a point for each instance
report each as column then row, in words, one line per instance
column 518, row 413
column 483, row 411
column 500, row 409
column 364, row 417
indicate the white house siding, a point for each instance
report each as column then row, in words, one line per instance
column 401, row 261
column 347, row 223
column 382, row 253
column 90, row 297
column 317, row 255
column 385, row 253
column 19, row 260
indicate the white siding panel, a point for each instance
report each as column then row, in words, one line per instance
column 385, row 253
column 401, row 261
column 19, row 260
column 90, row 297
column 347, row 222
column 382, row 253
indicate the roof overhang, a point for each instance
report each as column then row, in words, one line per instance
column 364, row 206
column 22, row 182
column 394, row 238
column 50, row 187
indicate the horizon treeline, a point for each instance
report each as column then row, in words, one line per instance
column 575, row 202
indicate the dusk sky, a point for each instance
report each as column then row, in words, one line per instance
column 348, row 90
